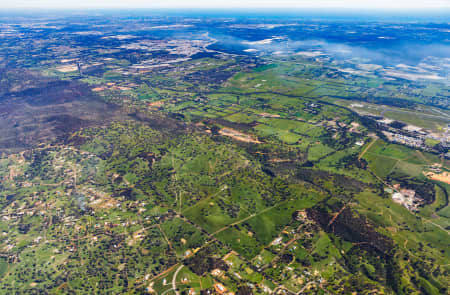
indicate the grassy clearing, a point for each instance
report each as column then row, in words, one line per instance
column 239, row 240
column 183, row 236
column 384, row 158
column 317, row 151
column 211, row 216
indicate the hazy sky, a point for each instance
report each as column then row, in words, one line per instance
column 371, row 4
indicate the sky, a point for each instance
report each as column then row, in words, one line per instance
column 353, row 4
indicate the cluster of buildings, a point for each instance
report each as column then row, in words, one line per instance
column 404, row 139
column 407, row 198
column 413, row 136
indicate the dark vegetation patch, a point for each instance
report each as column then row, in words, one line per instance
column 162, row 123
column 243, row 127
column 96, row 71
column 39, row 164
column 372, row 253
column 319, row 177
column 15, row 81
column 244, row 290
column 351, row 161
column 343, row 222
column 213, row 76
column 49, row 110
column 55, row 92
column 397, row 125
column 343, row 141
column 66, row 123
column 204, row 261
column 287, row 258
column 128, row 193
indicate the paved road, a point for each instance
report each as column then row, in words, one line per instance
column 174, row 279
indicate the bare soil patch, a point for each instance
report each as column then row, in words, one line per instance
column 238, row 135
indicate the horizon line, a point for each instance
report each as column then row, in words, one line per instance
column 278, row 8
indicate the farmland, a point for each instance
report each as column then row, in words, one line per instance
column 150, row 163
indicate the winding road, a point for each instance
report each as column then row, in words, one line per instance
column 174, row 279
